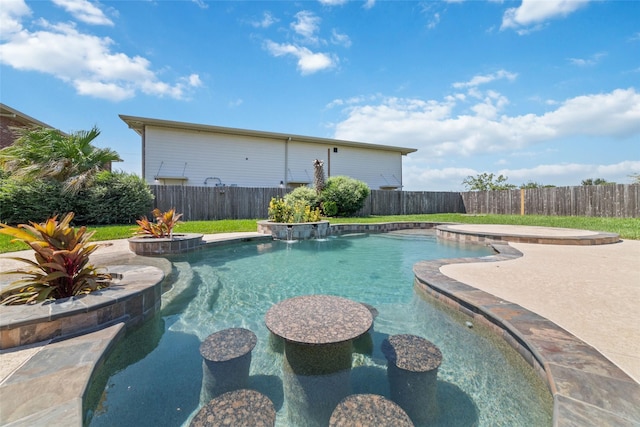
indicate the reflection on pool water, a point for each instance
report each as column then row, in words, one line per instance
column 153, row 377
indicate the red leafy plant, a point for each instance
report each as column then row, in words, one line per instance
column 163, row 227
column 61, row 268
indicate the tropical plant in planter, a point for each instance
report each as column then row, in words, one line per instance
column 61, row 268
column 284, row 211
column 163, row 227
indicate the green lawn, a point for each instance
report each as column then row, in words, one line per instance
column 627, row 228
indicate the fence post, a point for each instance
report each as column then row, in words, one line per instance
column 522, row 201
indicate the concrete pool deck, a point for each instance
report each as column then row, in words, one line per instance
column 561, row 283
column 591, row 291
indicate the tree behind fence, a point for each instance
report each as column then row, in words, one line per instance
column 211, row 203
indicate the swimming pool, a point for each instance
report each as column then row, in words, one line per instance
column 153, row 377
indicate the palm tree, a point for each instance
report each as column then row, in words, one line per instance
column 318, row 175
column 41, row 153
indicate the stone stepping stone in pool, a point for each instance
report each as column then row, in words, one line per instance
column 368, row 410
column 237, row 408
column 412, row 370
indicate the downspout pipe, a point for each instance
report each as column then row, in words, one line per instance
column 144, row 153
column 286, row 162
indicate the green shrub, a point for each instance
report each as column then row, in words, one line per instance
column 114, row 198
column 347, row 193
column 305, row 195
column 21, row 202
column 329, row 208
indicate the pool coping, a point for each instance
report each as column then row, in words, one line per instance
column 525, row 234
column 588, row 389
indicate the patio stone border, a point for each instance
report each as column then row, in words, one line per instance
column 49, row 388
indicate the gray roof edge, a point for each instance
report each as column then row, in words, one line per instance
column 25, row 117
column 137, row 124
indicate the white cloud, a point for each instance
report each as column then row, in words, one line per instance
column 615, row 114
column 435, row 20
column 334, row 2
column 307, row 25
column 351, row 101
column 267, row 20
column 84, row 11
column 340, row 39
column 201, row 4
column 532, row 13
column 87, row 62
column 487, row 78
column 418, row 178
column 490, row 106
column 110, row 91
column 11, row 14
column 434, row 128
column 588, row 62
column 308, row 62
column 558, row 173
column 194, row 80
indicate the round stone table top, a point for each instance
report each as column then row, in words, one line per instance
column 411, row 353
column 318, row 319
column 228, row 344
column 369, row 410
column 237, row 408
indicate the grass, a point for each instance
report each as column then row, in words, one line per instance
column 627, row 228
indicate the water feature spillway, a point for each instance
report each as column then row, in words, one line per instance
column 154, row 376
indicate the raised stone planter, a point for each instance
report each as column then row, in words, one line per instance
column 134, row 297
column 149, row 246
column 294, row 231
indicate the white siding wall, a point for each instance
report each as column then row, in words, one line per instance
column 259, row 162
column 243, row 161
column 301, row 157
column 375, row 167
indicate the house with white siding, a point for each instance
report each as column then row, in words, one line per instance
column 178, row 153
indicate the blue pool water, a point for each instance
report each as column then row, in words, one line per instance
column 153, row 377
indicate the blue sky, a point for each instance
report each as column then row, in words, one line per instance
column 538, row 90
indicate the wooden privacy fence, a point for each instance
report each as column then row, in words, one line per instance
column 615, row 200
column 382, row 202
column 209, row 203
